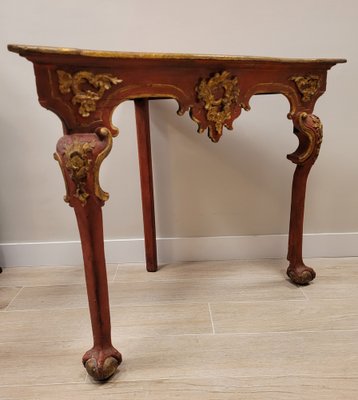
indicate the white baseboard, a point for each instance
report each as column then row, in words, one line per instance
column 181, row 249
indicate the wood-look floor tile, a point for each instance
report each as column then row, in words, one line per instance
column 320, row 354
column 333, row 263
column 336, row 279
column 50, row 297
column 71, row 324
column 283, row 316
column 161, row 319
column 7, row 294
column 44, row 325
column 142, row 293
column 203, row 290
column 41, row 363
column 248, row 388
column 161, row 324
column 124, row 391
column 255, row 388
column 237, row 269
column 39, row 276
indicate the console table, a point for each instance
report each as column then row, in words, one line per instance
column 83, row 87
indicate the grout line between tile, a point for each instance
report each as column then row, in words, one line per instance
column 42, row 384
column 180, row 378
column 44, row 309
column 6, row 309
column 115, row 275
column 197, row 278
column 211, row 319
column 303, row 292
column 85, row 340
column 159, row 303
column 113, row 306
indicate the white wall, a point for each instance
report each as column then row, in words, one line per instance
column 240, row 186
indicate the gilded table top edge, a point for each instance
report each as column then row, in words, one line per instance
column 28, row 49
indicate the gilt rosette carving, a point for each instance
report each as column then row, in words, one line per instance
column 309, row 130
column 80, row 157
column 87, row 88
column 307, row 85
column 218, row 104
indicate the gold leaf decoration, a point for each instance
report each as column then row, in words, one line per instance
column 307, row 85
column 86, row 98
column 77, row 163
column 311, row 126
column 309, row 130
column 104, row 134
column 219, row 94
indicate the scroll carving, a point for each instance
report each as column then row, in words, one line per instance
column 309, row 130
column 220, row 98
column 307, row 86
column 86, row 98
column 80, row 157
column 103, row 134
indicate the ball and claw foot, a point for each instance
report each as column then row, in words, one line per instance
column 102, row 364
column 301, row 274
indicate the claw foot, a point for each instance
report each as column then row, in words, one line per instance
column 301, row 274
column 102, row 364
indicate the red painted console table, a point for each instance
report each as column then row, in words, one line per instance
column 83, row 88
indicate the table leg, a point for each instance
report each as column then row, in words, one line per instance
column 103, row 359
column 80, row 156
column 146, row 180
column 308, row 129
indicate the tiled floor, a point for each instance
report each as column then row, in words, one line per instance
column 225, row 330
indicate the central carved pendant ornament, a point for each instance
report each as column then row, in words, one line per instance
column 219, row 94
column 86, row 98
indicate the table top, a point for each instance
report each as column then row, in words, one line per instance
column 26, row 50
column 83, row 87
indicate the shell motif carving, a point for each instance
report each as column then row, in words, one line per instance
column 86, row 98
column 220, row 97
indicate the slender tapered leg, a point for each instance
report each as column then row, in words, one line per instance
column 146, row 180
column 80, row 156
column 308, row 129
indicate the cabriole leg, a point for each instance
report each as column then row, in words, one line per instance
column 308, row 129
column 80, row 156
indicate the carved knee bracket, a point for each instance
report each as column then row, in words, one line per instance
column 308, row 129
column 80, row 157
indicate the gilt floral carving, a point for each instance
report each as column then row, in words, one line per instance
column 219, row 94
column 78, row 84
column 307, row 86
column 312, row 127
column 308, row 128
column 77, row 162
